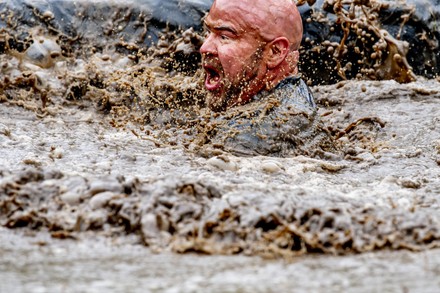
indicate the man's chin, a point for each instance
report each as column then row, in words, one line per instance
column 216, row 101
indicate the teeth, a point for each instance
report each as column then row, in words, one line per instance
column 214, row 79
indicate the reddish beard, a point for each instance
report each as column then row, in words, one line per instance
column 230, row 93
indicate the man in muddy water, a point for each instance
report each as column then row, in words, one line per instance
column 251, row 46
column 250, row 58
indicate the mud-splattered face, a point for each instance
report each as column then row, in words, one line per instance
column 233, row 56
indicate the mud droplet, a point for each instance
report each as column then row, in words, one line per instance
column 105, row 57
column 99, row 200
column 71, row 198
column 271, row 167
column 4, row 130
column 48, row 14
column 223, row 163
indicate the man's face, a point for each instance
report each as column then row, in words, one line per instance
column 232, row 56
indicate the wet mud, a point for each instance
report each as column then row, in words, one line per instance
column 342, row 40
column 112, row 139
column 375, row 39
column 382, row 194
column 73, row 177
column 95, row 265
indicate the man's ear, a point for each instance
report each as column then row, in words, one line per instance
column 278, row 51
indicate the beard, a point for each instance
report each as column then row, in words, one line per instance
column 231, row 92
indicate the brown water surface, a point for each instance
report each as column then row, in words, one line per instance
column 105, row 150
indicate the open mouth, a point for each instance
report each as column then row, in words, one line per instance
column 213, row 78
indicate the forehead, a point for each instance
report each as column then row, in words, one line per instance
column 233, row 14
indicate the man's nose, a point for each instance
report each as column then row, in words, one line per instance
column 208, row 46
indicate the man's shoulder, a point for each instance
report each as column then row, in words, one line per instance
column 281, row 122
column 294, row 92
column 291, row 94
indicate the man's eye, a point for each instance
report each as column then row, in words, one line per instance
column 224, row 37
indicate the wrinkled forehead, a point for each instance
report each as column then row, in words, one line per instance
column 241, row 16
column 266, row 19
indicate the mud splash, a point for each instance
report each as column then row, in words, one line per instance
column 374, row 39
column 101, row 148
column 382, row 195
column 103, row 137
column 194, row 215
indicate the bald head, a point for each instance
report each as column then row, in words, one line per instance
column 251, row 45
column 270, row 18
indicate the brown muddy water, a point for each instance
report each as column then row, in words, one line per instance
column 109, row 183
column 95, row 264
column 75, row 176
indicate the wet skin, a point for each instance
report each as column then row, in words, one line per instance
column 245, row 53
